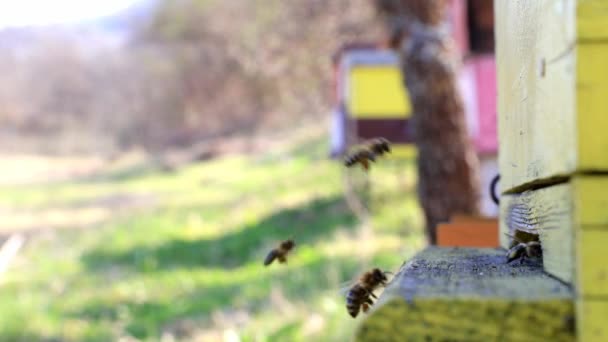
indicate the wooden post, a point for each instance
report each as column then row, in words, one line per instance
column 447, row 163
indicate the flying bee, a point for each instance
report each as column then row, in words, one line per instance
column 358, row 298
column 360, row 295
column 522, row 249
column 360, row 156
column 379, row 146
column 280, row 253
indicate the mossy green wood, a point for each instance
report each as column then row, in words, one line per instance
column 462, row 294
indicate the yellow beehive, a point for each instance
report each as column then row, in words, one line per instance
column 553, row 114
column 377, row 91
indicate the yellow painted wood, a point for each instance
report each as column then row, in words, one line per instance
column 591, row 200
column 592, row 105
column 591, row 320
column 591, row 19
column 592, row 265
column 402, row 151
column 551, row 100
column 461, row 294
column 378, row 92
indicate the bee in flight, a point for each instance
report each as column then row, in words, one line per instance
column 522, row 249
column 359, row 296
column 379, row 146
column 365, row 155
column 280, row 253
column 361, row 156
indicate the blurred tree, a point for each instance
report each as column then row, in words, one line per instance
column 447, row 162
column 189, row 71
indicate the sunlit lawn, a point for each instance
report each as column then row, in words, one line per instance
column 187, row 265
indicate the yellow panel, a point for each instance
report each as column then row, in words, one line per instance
column 592, row 105
column 378, row 92
column 591, row 19
column 591, row 201
column 592, row 315
column 592, row 268
column 403, row 151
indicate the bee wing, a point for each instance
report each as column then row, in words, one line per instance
column 345, row 287
column 270, row 257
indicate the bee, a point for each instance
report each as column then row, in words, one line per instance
column 379, row 146
column 522, row 249
column 361, row 156
column 280, row 253
column 360, row 295
column 371, row 149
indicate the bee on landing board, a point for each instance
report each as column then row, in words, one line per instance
column 280, row 253
column 359, row 296
column 520, row 249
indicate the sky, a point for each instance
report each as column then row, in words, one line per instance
column 40, row 12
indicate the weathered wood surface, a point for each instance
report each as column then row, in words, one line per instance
column 572, row 220
column 549, row 211
column 552, row 80
column 535, row 112
column 461, row 294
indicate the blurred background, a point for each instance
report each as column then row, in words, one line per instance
column 152, row 152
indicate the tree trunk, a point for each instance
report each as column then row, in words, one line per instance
column 447, row 162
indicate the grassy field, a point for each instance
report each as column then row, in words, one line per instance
column 178, row 256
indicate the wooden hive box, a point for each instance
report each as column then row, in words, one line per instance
column 553, row 108
column 552, row 62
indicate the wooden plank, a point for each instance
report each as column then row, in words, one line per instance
column 592, row 105
column 591, row 20
column 462, row 294
column 591, row 267
column 536, row 89
column 468, row 234
column 584, row 200
column 591, row 318
column 550, row 212
column 591, row 200
column 552, row 102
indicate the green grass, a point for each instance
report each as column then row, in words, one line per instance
column 191, row 265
